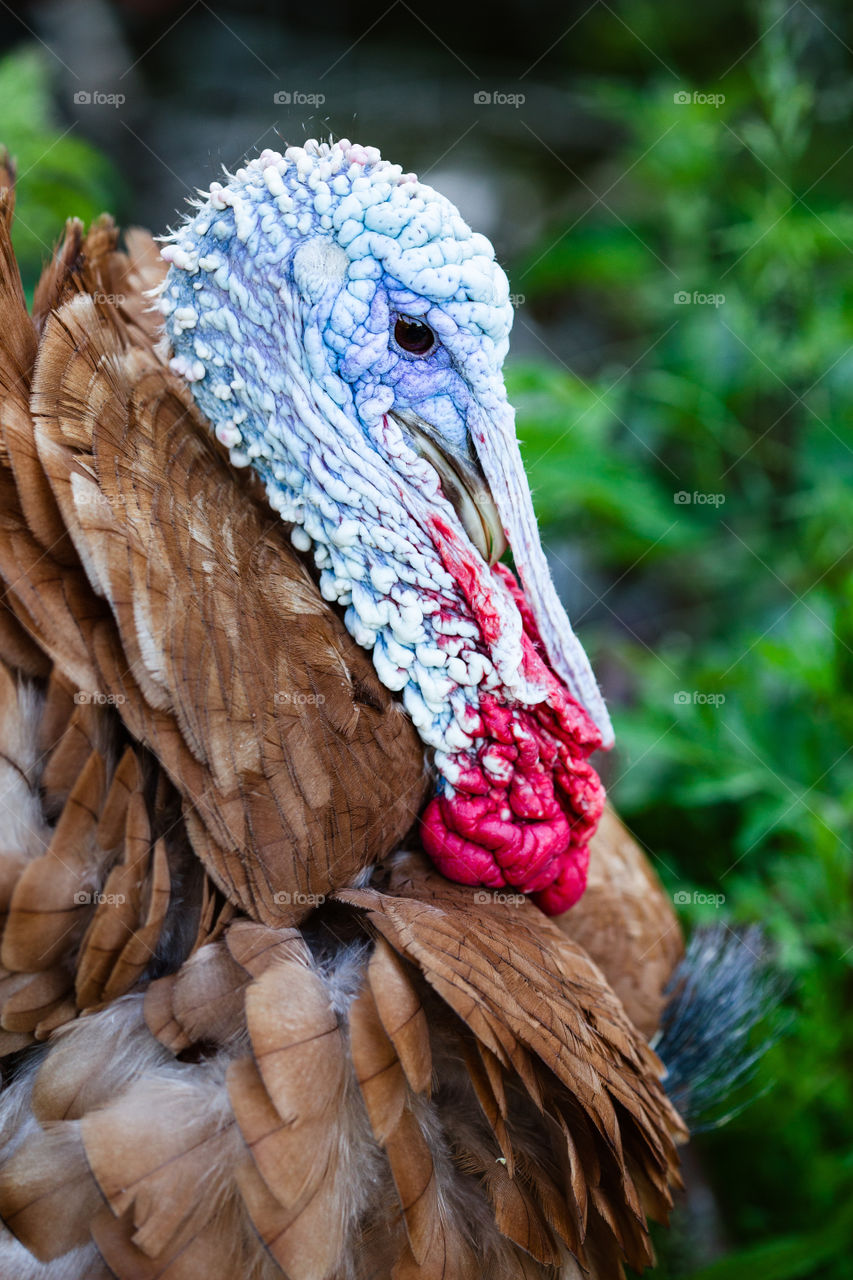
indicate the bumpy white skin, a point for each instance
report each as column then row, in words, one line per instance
column 280, row 307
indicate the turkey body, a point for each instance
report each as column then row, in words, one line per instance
column 247, row 1029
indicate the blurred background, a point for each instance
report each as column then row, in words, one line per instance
column 668, row 186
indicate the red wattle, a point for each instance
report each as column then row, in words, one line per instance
column 567, row 888
column 526, row 802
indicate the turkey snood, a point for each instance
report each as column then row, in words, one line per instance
column 344, row 331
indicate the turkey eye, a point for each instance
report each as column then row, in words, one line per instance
column 414, row 336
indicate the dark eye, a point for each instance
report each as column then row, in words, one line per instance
column 414, row 336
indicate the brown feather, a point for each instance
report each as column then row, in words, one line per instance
column 378, row 1069
column 431, row 1247
column 271, row 738
column 189, row 1258
column 288, row 1104
column 47, row 1193
column 203, row 1002
column 155, row 1148
column 46, row 908
column 521, row 985
column 401, row 1013
column 627, row 924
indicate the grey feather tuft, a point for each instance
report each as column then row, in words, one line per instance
column 724, row 990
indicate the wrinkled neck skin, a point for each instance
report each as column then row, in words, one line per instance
column 517, row 800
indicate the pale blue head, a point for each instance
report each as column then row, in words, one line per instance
column 344, row 331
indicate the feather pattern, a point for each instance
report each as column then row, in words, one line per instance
column 239, row 1042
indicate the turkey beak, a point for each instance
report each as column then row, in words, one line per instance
column 464, row 485
column 491, row 430
column 487, row 487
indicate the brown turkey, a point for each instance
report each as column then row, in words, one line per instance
column 293, row 772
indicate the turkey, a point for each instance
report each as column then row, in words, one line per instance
column 295, row 774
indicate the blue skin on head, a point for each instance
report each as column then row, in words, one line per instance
column 293, row 307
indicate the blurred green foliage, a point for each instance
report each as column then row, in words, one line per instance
column 59, row 175
column 741, row 602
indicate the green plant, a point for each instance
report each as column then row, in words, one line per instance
column 59, row 175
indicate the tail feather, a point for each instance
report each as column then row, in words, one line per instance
column 723, row 991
